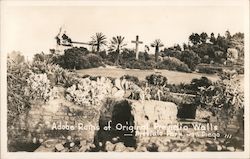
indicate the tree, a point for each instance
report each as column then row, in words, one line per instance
column 203, row 37
column 74, row 58
column 223, row 43
column 177, row 47
column 237, row 41
column 117, row 43
column 185, row 46
column 212, row 38
column 228, row 35
column 98, row 40
column 194, row 38
column 157, row 44
column 16, row 57
column 46, row 58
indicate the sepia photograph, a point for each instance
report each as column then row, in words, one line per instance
column 82, row 78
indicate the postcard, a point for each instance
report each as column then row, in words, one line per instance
column 125, row 79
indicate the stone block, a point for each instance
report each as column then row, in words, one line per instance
column 59, row 147
column 109, row 146
column 119, row 147
column 42, row 148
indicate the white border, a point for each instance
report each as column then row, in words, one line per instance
column 108, row 155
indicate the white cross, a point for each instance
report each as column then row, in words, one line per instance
column 137, row 42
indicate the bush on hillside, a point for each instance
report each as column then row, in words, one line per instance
column 190, row 58
column 139, row 64
column 94, row 60
column 172, row 53
column 172, row 63
column 133, row 79
column 89, row 93
column 112, row 57
column 157, row 80
column 78, row 58
column 180, row 88
column 39, row 88
column 209, row 70
column 17, row 101
column 196, row 83
column 225, row 99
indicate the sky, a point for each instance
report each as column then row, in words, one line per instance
column 32, row 29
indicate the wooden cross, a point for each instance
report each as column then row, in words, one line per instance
column 137, row 42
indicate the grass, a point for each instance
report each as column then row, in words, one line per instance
column 174, row 77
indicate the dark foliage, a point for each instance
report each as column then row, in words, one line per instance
column 209, row 70
column 190, row 58
column 78, row 58
column 157, row 80
column 197, row 83
column 171, row 63
column 17, row 100
column 131, row 78
column 139, row 64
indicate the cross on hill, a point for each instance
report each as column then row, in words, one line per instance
column 137, row 42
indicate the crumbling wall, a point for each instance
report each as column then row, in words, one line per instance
column 56, row 120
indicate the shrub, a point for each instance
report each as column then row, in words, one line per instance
column 205, row 49
column 102, row 54
column 38, row 87
column 138, row 64
column 88, row 92
column 74, row 58
column 202, row 82
column 190, row 58
column 17, row 101
column 16, row 57
column 94, row 60
column 224, row 98
column 56, row 74
column 112, row 56
column 157, row 80
column 191, row 88
column 127, row 55
column 180, row 88
column 209, row 70
column 83, row 63
column 172, row 53
column 150, row 64
column 42, row 57
column 131, row 78
column 172, row 63
column 78, row 58
column 108, row 63
column 240, row 70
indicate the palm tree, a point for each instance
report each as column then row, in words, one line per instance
column 98, row 40
column 157, row 44
column 117, row 43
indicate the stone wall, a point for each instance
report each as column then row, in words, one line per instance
column 57, row 120
column 41, row 119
